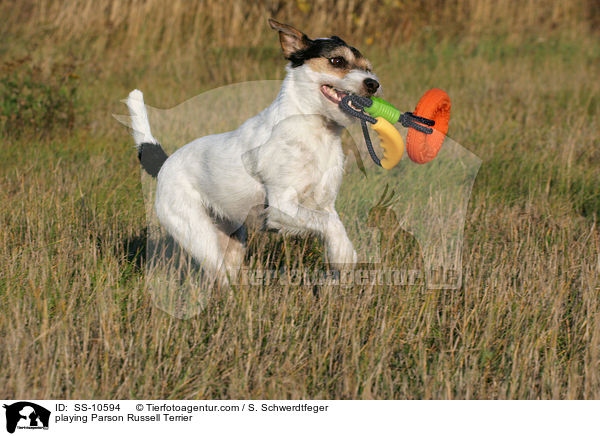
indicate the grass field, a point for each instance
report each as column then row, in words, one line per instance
column 76, row 321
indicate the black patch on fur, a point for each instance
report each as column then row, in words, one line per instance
column 320, row 48
column 152, row 157
column 356, row 53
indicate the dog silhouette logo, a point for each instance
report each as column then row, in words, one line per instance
column 26, row 415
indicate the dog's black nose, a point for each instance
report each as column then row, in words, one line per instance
column 371, row 85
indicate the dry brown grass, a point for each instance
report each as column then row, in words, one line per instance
column 76, row 322
column 131, row 24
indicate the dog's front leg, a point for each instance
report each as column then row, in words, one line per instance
column 285, row 213
column 340, row 252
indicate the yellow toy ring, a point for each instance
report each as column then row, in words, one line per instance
column 391, row 141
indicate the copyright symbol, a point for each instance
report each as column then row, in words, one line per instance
column 139, row 407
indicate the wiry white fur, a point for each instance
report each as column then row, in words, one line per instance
column 139, row 118
column 288, row 157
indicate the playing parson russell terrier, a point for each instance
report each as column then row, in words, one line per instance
column 288, row 159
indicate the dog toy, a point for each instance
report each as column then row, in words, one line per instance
column 422, row 141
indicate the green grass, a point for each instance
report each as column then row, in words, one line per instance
column 76, row 321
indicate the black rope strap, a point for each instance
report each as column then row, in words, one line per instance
column 410, row 120
column 359, row 103
column 365, row 130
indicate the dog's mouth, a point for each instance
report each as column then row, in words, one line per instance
column 335, row 95
column 332, row 94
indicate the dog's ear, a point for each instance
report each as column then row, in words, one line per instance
column 292, row 40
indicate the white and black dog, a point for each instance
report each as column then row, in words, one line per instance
column 287, row 158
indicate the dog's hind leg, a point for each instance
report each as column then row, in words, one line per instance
column 194, row 229
column 233, row 246
column 234, row 255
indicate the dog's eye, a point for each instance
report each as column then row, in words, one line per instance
column 337, row 61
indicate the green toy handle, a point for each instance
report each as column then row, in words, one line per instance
column 383, row 109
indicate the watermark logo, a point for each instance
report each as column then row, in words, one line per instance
column 25, row 415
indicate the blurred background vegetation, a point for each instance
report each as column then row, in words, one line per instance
column 47, row 46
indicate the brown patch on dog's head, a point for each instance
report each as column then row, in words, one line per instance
column 323, row 65
column 363, row 63
column 339, row 61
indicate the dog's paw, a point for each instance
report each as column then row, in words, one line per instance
column 341, row 253
column 271, row 220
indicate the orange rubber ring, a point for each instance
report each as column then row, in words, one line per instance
column 422, row 147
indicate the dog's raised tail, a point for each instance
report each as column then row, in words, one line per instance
column 150, row 152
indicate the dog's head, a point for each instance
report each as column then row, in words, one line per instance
column 324, row 70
